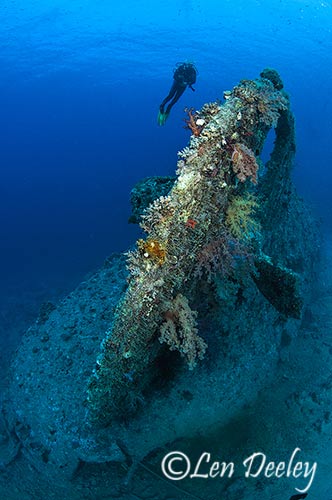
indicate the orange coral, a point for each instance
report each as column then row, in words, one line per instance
column 191, row 223
column 192, row 122
column 152, row 249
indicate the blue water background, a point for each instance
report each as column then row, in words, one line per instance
column 80, row 86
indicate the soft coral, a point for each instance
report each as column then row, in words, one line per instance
column 192, row 120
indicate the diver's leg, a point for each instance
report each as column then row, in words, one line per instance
column 168, row 97
column 178, row 94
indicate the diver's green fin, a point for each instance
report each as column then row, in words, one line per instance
column 162, row 117
column 279, row 285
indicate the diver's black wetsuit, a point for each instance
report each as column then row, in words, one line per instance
column 184, row 75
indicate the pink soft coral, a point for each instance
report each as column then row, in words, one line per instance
column 244, row 163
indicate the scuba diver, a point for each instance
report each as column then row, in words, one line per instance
column 184, row 76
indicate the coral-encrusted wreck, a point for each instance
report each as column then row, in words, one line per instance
column 213, row 289
column 218, row 186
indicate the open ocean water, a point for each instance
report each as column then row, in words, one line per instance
column 80, row 88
